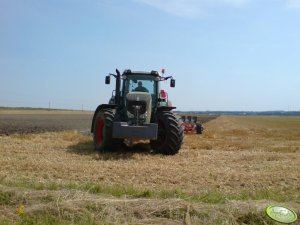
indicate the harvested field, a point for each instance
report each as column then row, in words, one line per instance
column 228, row 175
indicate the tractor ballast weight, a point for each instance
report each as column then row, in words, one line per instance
column 138, row 110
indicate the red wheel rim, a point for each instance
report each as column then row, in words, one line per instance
column 99, row 131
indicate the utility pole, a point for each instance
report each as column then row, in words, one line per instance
column 49, row 105
column 82, row 107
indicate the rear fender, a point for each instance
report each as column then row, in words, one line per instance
column 101, row 107
column 165, row 108
column 159, row 110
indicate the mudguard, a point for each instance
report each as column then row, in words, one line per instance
column 101, row 107
column 164, row 108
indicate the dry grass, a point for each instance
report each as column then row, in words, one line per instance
column 230, row 173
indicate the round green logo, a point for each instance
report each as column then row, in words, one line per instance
column 281, row 214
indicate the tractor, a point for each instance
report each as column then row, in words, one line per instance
column 137, row 110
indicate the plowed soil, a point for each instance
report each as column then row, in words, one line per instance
column 24, row 122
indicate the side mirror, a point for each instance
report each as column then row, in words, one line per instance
column 172, row 83
column 107, row 80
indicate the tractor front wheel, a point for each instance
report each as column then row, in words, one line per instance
column 102, row 130
column 170, row 134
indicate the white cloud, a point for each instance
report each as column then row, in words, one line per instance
column 294, row 4
column 191, row 8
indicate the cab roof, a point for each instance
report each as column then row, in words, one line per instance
column 129, row 72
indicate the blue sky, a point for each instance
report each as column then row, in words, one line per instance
column 224, row 54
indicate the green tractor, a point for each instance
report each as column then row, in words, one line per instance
column 137, row 110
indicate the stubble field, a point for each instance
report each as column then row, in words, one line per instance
column 227, row 175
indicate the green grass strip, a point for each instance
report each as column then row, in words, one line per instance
column 208, row 196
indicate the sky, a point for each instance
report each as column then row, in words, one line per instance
column 224, row 54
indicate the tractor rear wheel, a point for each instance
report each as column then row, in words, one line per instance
column 102, row 131
column 170, row 134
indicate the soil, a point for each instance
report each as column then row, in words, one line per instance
column 38, row 123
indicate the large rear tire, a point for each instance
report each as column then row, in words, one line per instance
column 102, row 131
column 170, row 134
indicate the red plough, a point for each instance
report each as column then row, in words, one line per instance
column 190, row 124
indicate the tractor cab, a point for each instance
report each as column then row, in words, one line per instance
column 141, row 95
column 145, row 82
column 142, row 83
